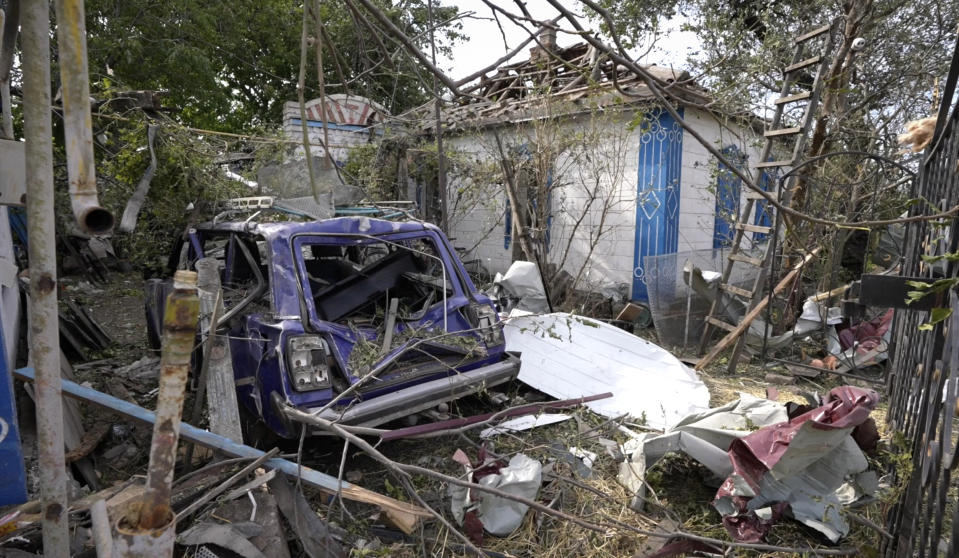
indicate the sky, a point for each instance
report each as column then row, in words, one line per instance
column 485, row 43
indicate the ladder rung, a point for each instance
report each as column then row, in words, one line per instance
column 814, row 33
column 770, row 164
column 754, row 228
column 735, row 290
column 802, row 64
column 783, row 132
column 746, row 259
column 720, row 324
column 753, row 195
column 793, row 98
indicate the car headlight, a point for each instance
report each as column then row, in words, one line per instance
column 307, row 362
column 490, row 328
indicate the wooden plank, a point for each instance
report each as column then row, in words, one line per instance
column 754, row 228
column 746, row 259
column 783, row 132
column 213, row 441
column 733, row 335
column 812, row 34
column 803, row 64
column 793, row 98
column 222, row 407
column 720, row 324
column 736, row 290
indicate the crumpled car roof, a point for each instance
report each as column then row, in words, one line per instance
column 338, row 225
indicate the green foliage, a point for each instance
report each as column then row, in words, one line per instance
column 923, row 290
column 744, row 44
column 186, row 173
column 231, row 65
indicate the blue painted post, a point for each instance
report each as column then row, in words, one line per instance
column 13, row 488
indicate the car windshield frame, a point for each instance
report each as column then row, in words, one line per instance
column 454, row 287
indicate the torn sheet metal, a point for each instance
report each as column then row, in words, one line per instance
column 805, row 463
column 523, row 423
column 523, row 285
column 313, row 533
column 129, row 220
column 497, row 516
column 569, row 356
column 704, row 436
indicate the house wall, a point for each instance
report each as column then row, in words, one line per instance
column 478, row 211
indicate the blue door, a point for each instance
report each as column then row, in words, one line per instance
column 657, row 198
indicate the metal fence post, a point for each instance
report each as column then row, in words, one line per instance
column 44, row 339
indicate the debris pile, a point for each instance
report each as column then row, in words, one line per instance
column 507, row 469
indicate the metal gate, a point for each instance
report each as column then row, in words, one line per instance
column 923, row 379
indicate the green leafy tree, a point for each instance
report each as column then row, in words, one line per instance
column 230, row 66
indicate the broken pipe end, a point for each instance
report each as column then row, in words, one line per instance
column 93, row 219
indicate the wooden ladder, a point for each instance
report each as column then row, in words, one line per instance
column 806, row 56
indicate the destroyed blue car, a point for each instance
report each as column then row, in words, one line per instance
column 381, row 310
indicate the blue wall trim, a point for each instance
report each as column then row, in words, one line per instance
column 658, row 188
column 728, row 188
column 764, row 211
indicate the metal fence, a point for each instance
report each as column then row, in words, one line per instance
column 923, row 380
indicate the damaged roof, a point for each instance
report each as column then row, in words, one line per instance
column 554, row 80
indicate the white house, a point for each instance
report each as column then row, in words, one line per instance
column 623, row 180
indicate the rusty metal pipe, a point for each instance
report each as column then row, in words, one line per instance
column 148, row 526
column 77, row 123
column 44, row 337
column 179, row 333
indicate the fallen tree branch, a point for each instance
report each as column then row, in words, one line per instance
column 456, row 426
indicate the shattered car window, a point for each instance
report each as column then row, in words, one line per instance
column 358, row 281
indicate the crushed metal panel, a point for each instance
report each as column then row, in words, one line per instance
column 570, row 356
column 804, row 463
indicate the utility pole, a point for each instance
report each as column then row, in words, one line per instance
column 44, row 335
